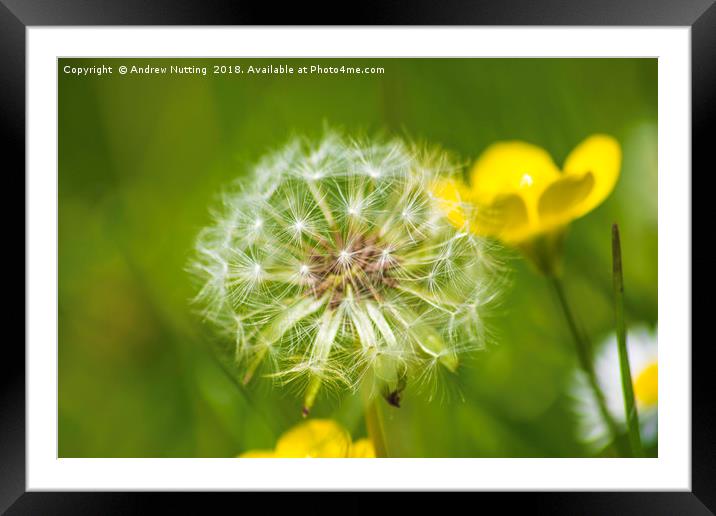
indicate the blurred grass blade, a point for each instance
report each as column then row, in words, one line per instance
column 632, row 416
column 586, row 363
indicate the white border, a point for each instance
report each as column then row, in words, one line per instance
column 670, row 471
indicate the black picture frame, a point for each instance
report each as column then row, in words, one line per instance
column 17, row 15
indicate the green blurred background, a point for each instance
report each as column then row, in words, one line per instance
column 142, row 158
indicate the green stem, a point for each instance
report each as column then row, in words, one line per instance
column 584, row 357
column 632, row 415
column 374, row 424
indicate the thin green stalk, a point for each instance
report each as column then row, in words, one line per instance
column 374, row 424
column 584, row 356
column 632, row 415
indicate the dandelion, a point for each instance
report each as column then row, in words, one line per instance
column 316, row 438
column 643, row 361
column 334, row 266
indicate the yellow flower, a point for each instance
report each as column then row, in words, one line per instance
column 316, row 438
column 519, row 195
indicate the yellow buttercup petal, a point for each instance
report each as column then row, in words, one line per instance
column 453, row 196
column 559, row 202
column 258, row 454
column 315, row 438
column 362, row 449
column 507, row 181
column 506, row 218
column 598, row 157
column 512, row 167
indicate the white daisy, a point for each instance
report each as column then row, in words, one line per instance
column 643, row 361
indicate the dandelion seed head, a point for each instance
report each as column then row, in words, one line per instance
column 333, row 264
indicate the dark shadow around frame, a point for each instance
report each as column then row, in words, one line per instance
column 16, row 15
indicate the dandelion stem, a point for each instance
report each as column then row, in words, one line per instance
column 632, row 415
column 584, row 356
column 374, row 424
